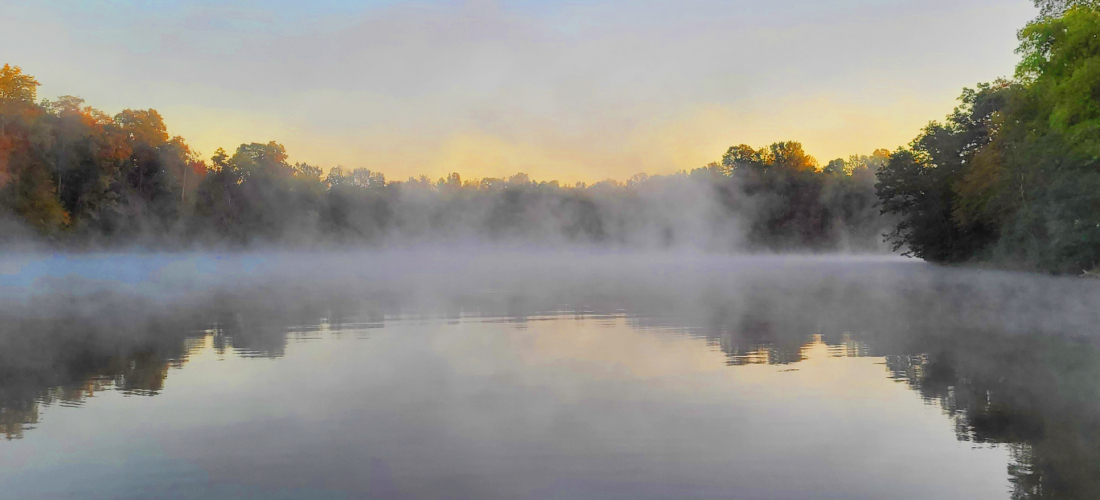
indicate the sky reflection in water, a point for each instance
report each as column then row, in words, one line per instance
column 245, row 397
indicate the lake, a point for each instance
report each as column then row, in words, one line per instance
column 552, row 375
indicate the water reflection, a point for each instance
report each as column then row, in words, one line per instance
column 1037, row 393
column 1031, row 388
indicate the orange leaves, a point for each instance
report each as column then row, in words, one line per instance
column 16, row 86
column 143, row 126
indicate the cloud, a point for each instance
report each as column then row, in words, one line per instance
column 579, row 91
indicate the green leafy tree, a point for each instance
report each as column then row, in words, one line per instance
column 918, row 184
column 1056, row 8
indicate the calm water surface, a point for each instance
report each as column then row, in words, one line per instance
column 754, row 379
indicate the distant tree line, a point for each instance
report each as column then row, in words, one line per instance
column 1013, row 175
column 74, row 177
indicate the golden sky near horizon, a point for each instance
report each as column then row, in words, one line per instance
column 566, row 90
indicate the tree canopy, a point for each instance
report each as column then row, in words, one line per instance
column 1012, row 176
column 75, row 176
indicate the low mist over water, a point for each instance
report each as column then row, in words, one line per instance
column 488, row 373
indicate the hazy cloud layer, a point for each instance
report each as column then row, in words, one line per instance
column 567, row 90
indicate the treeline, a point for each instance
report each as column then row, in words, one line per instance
column 74, row 177
column 1013, row 175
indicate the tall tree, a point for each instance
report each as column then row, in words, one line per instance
column 26, row 186
column 1055, row 8
column 16, row 86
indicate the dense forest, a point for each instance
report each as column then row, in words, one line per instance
column 76, row 177
column 1012, row 176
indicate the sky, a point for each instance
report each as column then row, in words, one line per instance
column 558, row 89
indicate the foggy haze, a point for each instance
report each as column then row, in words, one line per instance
column 436, row 308
column 563, row 90
column 74, row 326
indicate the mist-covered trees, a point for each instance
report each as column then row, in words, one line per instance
column 75, row 176
column 1013, row 175
column 256, row 194
column 797, row 204
column 71, row 173
column 26, row 186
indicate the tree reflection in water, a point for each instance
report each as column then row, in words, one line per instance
column 1031, row 386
